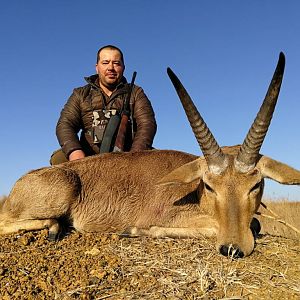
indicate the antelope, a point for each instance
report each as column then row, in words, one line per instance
column 158, row 193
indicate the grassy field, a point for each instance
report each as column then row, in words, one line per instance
column 288, row 212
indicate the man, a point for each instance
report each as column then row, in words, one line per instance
column 91, row 107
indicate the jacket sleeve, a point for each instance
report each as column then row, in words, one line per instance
column 144, row 119
column 69, row 124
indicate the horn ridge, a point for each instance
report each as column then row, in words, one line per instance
column 249, row 150
column 214, row 156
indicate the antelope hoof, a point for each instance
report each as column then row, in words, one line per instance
column 129, row 232
column 54, row 230
column 52, row 236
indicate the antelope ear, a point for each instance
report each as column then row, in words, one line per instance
column 187, row 173
column 278, row 171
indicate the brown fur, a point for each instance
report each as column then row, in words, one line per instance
column 157, row 193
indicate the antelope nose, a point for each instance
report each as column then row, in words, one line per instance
column 231, row 251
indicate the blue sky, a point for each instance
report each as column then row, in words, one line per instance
column 224, row 52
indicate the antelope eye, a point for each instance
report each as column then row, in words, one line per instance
column 207, row 187
column 255, row 187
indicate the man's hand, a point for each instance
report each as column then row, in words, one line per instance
column 77, row 154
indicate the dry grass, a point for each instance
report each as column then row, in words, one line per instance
column 288, row 212
column 107, row 267
column 97, row 266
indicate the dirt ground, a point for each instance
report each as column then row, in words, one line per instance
column 97, row 266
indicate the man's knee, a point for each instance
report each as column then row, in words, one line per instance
column 58, row 157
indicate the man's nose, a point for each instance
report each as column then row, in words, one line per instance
column 111, row 66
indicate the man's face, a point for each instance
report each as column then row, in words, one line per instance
column 110, row 68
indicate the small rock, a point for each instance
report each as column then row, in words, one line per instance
column 95, row 251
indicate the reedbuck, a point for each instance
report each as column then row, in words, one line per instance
column 159, row 193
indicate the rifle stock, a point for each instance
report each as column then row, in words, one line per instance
column 125, row 120
column 120, row 139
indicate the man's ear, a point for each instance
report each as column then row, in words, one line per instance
column 187, row 173
column 278, row 171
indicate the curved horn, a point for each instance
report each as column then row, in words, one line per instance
column 215, row 158
column 249, row 151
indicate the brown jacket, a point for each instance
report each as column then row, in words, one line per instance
column 77, row 115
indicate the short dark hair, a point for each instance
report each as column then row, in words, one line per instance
column 112, row 47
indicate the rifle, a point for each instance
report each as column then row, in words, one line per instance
column 125, row 119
